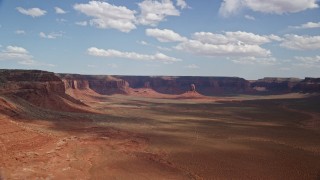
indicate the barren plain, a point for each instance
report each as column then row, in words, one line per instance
column 103, row 127
column 130, row 137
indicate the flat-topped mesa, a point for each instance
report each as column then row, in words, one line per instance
column 108, row 87
column 21, row 81
column 162, row 84
column 101, row 84
column 308, row 85
column 40, row 88
column 275, row 85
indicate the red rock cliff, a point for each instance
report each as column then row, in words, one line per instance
column 40, row 88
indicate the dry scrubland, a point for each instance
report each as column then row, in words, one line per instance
column 127, row 137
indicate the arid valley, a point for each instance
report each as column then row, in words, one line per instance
column 61, row 127
column 160, row 90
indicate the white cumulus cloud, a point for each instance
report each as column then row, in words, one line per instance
column 153, row 11
column 232, row 7
column 165, row 35
column 297, row 42
column 308, row 25
column 237, row 43
column 210, row 49
column 16, row 53
column 106, row 16
column 33, row 12
column 59, row 10
column 233, row 37
column 109, row 53
column 182, row 4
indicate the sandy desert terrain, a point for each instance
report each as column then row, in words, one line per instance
column 135, row 137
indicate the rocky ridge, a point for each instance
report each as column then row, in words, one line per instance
column 40, row 88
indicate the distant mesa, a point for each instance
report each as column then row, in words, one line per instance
column 65, row 91
column 40, row 88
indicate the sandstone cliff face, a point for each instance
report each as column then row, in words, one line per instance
column 105, row 85
column 19, row 81
column 40, row 88
column 275, row 85
column 308, row 85
column 41, row 83
column 178, row 85
column 165, row 85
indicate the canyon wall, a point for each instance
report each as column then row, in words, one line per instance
column 32, row 85
column 23, row 81
column 40, row 88
column 208, row 86
column 162, row 84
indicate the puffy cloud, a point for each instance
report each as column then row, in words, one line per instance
column 17, row 53
column 16, row 49
column 59, row 10
column 296, row 42
column 52, row 35
column 209, row 49
column 308, row 25
column 182, row 4
column 21, row 32
column 20, row 55
column 82, row 23
column 231, row 7
column 165, row 35
column 233, row 37
column 237, row 43
column 33, row 12
column 107, row 16
column 131, row 55
column 153, row 12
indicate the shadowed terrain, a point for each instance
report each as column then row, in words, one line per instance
column 87, row 135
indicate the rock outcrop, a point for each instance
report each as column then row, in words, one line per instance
column 36, row 85
column 20, row 81
column 105, row 85
column 40, row 88
column 308, row 85
column 171, row 85
column 275, row 85
column 108, row 85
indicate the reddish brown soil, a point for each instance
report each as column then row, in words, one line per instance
column 145, row 135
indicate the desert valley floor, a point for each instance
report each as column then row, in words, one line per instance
column 134, row 137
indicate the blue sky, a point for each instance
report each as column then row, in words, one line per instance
column 245, row 38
